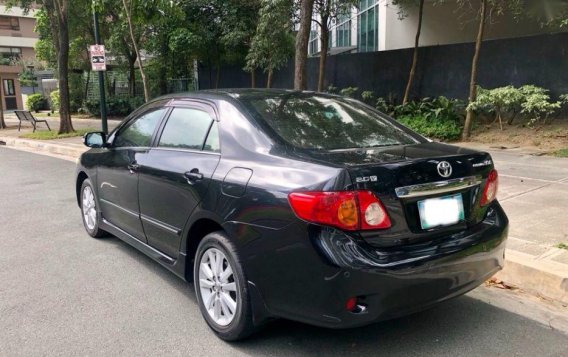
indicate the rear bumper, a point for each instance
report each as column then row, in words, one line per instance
column 312, row 285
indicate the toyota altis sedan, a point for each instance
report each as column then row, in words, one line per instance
column 296, row 205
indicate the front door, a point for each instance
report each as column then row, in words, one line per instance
column 175, row 175
column 117, row 176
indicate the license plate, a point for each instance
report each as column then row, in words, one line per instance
column 442, row 211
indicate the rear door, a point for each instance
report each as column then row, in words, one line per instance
column 175, row 174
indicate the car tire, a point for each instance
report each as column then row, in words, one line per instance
column 224, row 300
column 90, row 210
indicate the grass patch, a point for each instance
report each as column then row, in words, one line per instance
column 561, row 246
column 50, row 135
column 562, row 153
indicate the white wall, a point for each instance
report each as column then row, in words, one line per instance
column 444, row 24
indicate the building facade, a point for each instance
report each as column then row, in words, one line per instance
column 17, row 41
column 377, row 25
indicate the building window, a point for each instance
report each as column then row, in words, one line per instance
column 9, row 54
column 313, row 47
column 9, row 88
column 343, row 30
column 9, row 23
column 367, row 26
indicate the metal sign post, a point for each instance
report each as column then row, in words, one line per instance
column 98, row 63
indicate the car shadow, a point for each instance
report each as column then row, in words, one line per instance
column 464, row 324
column 152, row 266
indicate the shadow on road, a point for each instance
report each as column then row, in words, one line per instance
column 463, row 326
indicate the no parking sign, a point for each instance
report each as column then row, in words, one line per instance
column 98, row 60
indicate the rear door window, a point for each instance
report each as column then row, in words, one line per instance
column 212, row 142
column 186, row 128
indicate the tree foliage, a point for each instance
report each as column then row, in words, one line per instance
column 273, row 43
column 484, row 12
column 328, row 12
column 59, row 15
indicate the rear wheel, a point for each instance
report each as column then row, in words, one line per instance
column 90, row 210
column 221, row 288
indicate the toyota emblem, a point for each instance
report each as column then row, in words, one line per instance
column 444, row 169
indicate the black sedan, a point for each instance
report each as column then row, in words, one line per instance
column 297, row 205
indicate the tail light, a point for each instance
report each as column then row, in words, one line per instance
column 347, row 210
column 490, row 189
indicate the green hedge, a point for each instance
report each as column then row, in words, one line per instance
column 36, row 102
column 433, row 128
column 55, row 101
column 119, row 107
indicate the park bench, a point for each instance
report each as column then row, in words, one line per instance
column 24, row 115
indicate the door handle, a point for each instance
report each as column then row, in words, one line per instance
column 133, row 167
column 193, row 175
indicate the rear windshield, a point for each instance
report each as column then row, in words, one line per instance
column 320, row 122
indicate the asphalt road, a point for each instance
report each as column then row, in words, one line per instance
column 64, row 293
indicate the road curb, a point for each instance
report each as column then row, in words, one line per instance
column 540, row 277
column 43, row 146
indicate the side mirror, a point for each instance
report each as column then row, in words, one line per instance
column 96, row 139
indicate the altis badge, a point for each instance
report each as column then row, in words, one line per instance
column 363, row 179
column 484, row 163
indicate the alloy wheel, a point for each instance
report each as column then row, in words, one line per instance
column 218, row 287
column 89, row 208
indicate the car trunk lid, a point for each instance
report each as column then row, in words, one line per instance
column 404, row 177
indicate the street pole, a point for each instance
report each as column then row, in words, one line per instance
column 101, row 76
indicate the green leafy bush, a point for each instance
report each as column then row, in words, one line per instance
column 27, row 78
column 437, row 108
column 119, row 107
column 433, row 127
column 54, row 97
column 532, row 102
column 332, row 89
column 368, row 97
column 349, row 91
column 537, row 104
column 36, row 102
column 384, row 106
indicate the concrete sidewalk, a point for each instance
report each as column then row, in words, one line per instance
column 533, row 190
column 67, row 148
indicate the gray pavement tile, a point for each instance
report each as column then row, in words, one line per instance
column 562, row 258
column 540, row 216
column 526, row 247
column 513, row 186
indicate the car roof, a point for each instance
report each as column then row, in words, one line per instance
column 239, row 93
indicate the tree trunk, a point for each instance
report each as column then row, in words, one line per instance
column 57, row 12
column 132, row 77
column 218, row 76
column 135, row 45
column 87, row 82
column 269, row 78
column 324, row 42
column 65, row 124
column 415, row 56
column 301, row 47
column 2, row 122
column 473, row 81
column 253, row 78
